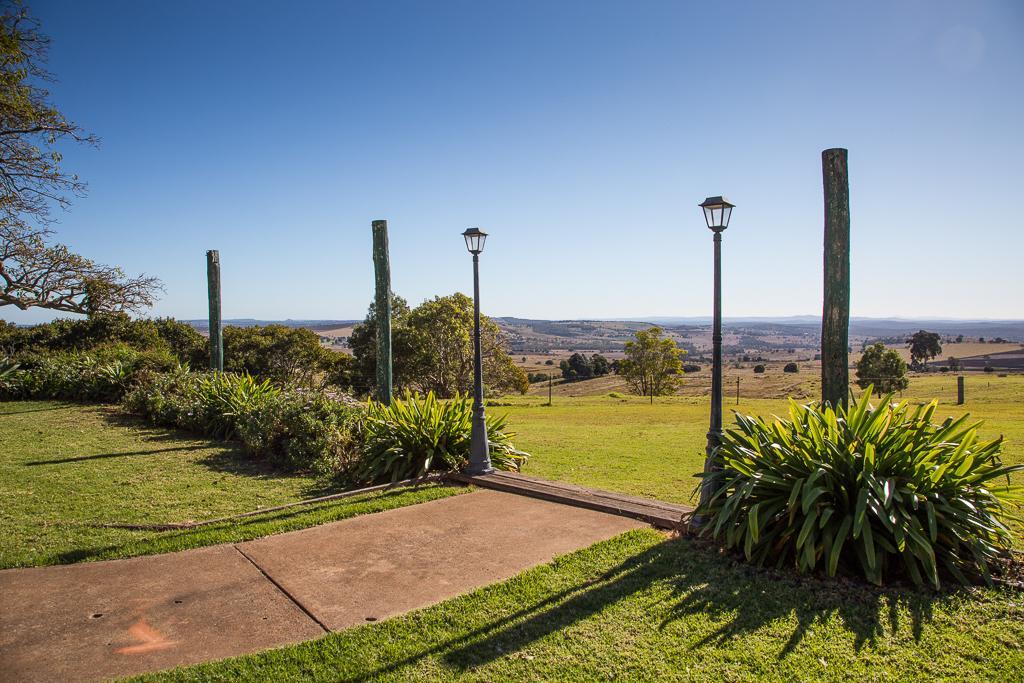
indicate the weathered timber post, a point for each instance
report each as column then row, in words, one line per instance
column 835, row 316
column 382, row 302
column 959, row 390
column 213, row 292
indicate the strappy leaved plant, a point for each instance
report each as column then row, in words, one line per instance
column 871, row 490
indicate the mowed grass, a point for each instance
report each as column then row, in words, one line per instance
column 626, row 444
column 64, row 469
column 641, row 607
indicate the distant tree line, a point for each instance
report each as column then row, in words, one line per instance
column 284, row 355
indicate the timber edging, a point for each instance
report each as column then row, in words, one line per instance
column 655, row 512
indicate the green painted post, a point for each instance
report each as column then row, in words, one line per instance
column 213, row 290
column 382, row 302
column 835, row 316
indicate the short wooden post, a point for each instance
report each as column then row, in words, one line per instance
column 737, row 391
column 550, row 383
column 382, row 302
column 959, row 390
column 835, row 317
column 213, row 293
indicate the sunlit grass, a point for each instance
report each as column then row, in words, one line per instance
column 66, row 468
column 640, row 607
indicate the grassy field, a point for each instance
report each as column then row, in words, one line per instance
column 626, row 444
column 640, row 607
column 65, row 468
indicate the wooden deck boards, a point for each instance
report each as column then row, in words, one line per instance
column 654, row 512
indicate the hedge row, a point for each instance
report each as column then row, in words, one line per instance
column 294, row 428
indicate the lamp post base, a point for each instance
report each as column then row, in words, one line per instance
column 708, row 485
column 479, row 448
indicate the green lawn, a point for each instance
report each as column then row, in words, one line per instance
column 65, row 468
column 628, row 445
column 642, row 607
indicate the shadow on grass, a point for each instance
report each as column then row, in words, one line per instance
column 103, row 456
column 228, row 457
column 692, row 580
column 245, row 529
column 38, row 410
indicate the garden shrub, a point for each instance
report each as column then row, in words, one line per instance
column 206, row 403
column 299, row 431
column 101, row 375
column 878, row 491
column 164, row 335
column 418, row 434
column 304, row 431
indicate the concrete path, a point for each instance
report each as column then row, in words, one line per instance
column 98, row 620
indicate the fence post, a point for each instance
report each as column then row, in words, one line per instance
column 213, row 294
column 382, row 302
column 835, row 317
column 959, row 390
column 737, row 391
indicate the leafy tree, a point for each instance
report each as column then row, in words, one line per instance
column 954, row 363
column 31, row 127
column 924, row 346
column 285, row 356
column 600, row 365
column 759, row 369
column 34, row 271
column 653, row 363
column 578, row 367
column 882, row 368
column 442, row 342
column 791, row 367
column 363, row 344
column 432, row 349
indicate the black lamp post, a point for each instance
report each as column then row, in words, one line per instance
column 479, row 451
column 717, row 212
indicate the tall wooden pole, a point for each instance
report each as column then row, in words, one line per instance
column 835, row 316
column 382, row 302
column 213, row 294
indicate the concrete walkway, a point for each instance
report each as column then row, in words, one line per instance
column 99, row 620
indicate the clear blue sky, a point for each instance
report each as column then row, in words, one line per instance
column 581, row 135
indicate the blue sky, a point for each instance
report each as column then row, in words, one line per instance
column 581, row 135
